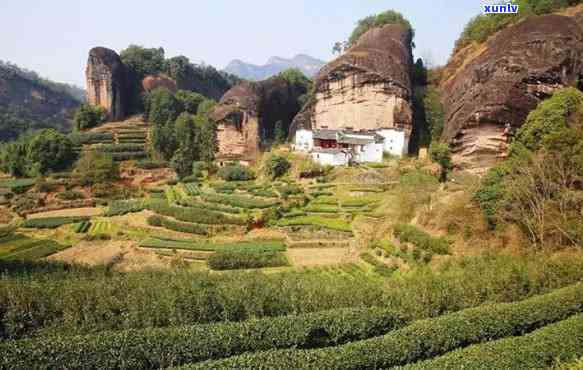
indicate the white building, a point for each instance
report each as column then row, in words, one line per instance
column 396, row 141
column 340, row 147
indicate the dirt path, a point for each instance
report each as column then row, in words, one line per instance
column 72, row 212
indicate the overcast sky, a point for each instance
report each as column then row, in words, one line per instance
column 54, row 37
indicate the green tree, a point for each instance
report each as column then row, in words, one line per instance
column 187, row 137
column 143, row 61
column 206, row 106
column 38, row 153
column 295, row 77
column 379, row 20
column 207, row 139
column 95, row 168
column 163, row 107
column 434, row 112
column 441, row 154
column 164, row 140
column 189, row 100
column 276, row 166
column 551, row 116
column 280, row 135
column 88, row 116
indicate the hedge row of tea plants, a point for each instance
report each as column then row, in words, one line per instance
column 423, row 339
column 150, row 164
column 421, row 239
column 378, row 267
column 195, row 215
column 52, row 222
column 162, row 348
column 246, row 259
column 543, row 348
column 240, row 201
column 128, row 156
column 123, row 207
column 82, row 227
column 167, row 243
column 336, row 224
column 194, row 203
column 120, row 148
column 83, row 138
column 191, row 189
column 184, row 227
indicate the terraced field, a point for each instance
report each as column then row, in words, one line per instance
column 20, row 247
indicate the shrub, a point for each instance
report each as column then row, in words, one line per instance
column 51, row 222
column 240, row 201
column 420, row 239
column 236, row 172
column 95, row 168
column 276, row 166
column 88, row 116
column 193, row 203
column 205, row 246
column 318, row 221
column 150, row 164
column 123, row 207
column 82, row 227
column 194, row 215
column 440, row 335
column 288, row 190
column 440, row 154
column 184, row 227
column 309, row 169
column 172, row 347
column 246, row 259
column 542, row 348
column 379, row 20
column 70, row 195
column 379, row 267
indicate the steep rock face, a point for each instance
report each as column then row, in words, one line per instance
column 153, row 82
column 247, row 115
column 489, row 90
column 369, row 87
column 107, row 84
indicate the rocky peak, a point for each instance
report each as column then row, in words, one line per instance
column 107, row 84
column 488, row 90
column 247, row 115
column 368, row 87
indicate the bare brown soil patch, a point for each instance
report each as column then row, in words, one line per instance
column 320, row 257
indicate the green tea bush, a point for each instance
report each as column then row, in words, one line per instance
column 236, row 172
column 543, row 348
column 184, row 227
column 120, row 148
column 439, row 336
column 318, row 221
column 51, row 222
column 240, row 201
column 246, row 259
column 162, row 348
column 150, row 164
column 319, row 208
column 420, row 239
column 70, row 195
column 123, row 207
column 193, row 203
column 379, row 267
column 82, row 227
column 194, row 215
column 75, row 300
column 167, row 243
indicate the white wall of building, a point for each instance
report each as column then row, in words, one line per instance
column 396, row 142
column 369, row 153
column 331, row 159
column 304, row 140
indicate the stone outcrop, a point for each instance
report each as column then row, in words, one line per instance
column 488, row 90
column 367, row 88
column 107, row 84
column 247, row 115
column 153, row 82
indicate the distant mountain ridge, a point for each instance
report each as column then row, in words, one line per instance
column 310, row 66
column 29, row 102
